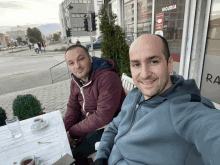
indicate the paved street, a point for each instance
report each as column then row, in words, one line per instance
column 26, row 69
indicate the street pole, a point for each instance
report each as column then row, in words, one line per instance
column 65, row 23
column 90, row 28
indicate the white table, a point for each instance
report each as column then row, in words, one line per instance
column 13, row 150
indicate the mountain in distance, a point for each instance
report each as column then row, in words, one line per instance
column 45, row 29
column 49, row 28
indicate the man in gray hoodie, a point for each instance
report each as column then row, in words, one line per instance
column 165, row 120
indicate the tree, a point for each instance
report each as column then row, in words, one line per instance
column 56, row 37
column 19, row 39
column 34, row 35
column 114, row 45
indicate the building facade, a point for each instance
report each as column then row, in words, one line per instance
column 74, row 18
column 18, row 31
column 191, row 29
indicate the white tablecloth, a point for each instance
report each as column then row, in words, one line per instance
column 13, row 150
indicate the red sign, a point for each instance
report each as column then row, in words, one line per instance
column 159, row 20
column 144, row 14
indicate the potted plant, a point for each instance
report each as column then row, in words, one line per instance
column 114, row 45
column 27, row 106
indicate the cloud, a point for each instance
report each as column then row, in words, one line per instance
column 10, row 5
column 22, row 12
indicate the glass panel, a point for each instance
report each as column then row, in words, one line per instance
column 128, row 22
column 80, row 1
column 73, row 15
column 84, row 1
column 114, row 7
column 210, row 84
column 73, row 1
column 76, row 1
column 169, row 18
column 144, row 10
column 90, row 1
column 74, row 29
column 83, row 29
column 79, row 29
column 77, row 15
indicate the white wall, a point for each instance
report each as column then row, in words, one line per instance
column 81, row 39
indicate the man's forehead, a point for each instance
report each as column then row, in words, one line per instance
column 75, row 53
column 143, row 41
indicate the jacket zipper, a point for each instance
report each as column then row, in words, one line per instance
column 81, row 91
column 134, row 115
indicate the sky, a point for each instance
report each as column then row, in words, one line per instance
column 28, row 12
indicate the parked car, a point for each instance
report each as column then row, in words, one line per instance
column 96, row 45
column 5, row 48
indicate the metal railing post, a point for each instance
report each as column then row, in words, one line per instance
column 51, row 76
column 52, row 80
column 68, row 69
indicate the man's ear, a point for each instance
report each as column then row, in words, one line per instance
column 91, row 58
column 170, row 64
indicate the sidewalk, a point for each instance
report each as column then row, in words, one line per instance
column 52, row 97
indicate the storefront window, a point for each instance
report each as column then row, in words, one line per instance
column 114, row 9
column 129, row 21
column 169, row 18
column 210, row 85
column 144, row 14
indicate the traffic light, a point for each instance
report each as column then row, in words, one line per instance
column 67, row 33
column 69, row 30
column 70, row 7
column 86, row 25
column 93, row 21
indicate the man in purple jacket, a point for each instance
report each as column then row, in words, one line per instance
column 96, row 97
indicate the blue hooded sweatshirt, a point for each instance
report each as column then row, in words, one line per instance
column 178, row 127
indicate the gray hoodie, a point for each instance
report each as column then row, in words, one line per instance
column 179, row 127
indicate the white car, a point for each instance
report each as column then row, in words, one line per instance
column 5, row 48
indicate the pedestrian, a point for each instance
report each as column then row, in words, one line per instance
column 36, row 48
column 39, row 45
column 44, row 46
column 78, row 42
column 163, row 121
column 96, row 96
column 29, row 45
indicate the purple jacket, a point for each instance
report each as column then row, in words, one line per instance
column 99, row 99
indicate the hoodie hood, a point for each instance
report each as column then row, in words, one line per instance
column 100, row 65
column 182, row 86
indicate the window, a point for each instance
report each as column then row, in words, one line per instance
column 84, row 1
column 73, row 15
column 82, row 15
column 79, row 29
column 80, row 1
column 90, row 1
column 76, row 1
column 83, row 29
column 77, row 15
column 74, row 29
column 73, row 1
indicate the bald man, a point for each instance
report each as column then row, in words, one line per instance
column 165, row 120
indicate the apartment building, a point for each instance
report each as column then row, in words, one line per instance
column 18, row 31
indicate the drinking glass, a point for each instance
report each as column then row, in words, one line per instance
column 14, row 127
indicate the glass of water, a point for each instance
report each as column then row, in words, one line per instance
column 14, row 127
